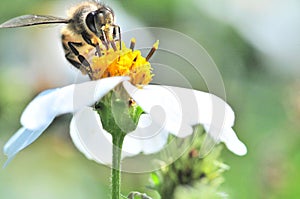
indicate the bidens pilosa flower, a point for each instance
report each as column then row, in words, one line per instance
column 166, row 109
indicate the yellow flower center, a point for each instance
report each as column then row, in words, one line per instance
column 123, row 62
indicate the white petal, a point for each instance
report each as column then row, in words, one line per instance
column 77, row 140
column 51, row 103
column 181, row 107
column 177, row 110
column 148, row 137
column 232, row 142
column 41, row 111
column 21, row 139
column 92, row 140
column 74, row 97
column 228, row 136
column 89, row 136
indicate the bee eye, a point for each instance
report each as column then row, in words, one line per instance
column 90, row 21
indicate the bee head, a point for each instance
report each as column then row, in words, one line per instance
column 95, row 20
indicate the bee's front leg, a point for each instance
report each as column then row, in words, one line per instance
column 87, row 38
column 117, row 34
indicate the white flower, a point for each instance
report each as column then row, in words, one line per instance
column 168, row 110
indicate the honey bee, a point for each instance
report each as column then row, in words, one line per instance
column 90, row 25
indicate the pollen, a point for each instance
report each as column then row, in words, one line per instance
column 123, row 61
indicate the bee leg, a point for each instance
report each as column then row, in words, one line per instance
column 117, row 31
column 83, row 62
column 103, row 38
column 113, row 45
column 72, row 61
column 77, row 64
column 70, row 56
column 101, row 35
column 86, row 38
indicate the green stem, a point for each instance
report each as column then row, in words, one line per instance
column 118, row 117
column 118, row 139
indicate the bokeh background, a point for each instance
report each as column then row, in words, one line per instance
column 256, row 46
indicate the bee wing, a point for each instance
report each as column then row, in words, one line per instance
column 31, row 20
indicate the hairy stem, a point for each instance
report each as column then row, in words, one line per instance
column 118, row 139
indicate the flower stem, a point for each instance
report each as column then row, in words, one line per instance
column 118, row 117
column 118, row 139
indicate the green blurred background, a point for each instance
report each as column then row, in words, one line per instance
column 255, row 44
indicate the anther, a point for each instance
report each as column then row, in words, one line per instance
column 132, row 44
column 131, row 102
column 153, row 49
